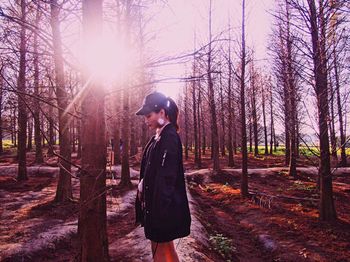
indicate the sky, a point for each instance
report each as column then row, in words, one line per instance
column 176, row 22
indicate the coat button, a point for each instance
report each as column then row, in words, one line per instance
column 147, row 211
column 146, row 187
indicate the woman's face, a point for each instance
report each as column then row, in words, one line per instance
column 151, row 119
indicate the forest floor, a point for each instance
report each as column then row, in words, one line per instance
column 277, row 223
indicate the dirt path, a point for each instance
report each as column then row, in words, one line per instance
column 35, row 229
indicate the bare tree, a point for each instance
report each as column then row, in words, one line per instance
column 243, row 63
column 64, row 186
column 211, row 98
column 92, row 225
column 22, row 110
column 37, row 135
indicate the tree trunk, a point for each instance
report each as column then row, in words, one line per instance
column 195, row 125
column 332, row 124
column 64, row 186
column 231, row 162
column 292, row 99
column 51, row 124
column 250, row 131
column 254, row 112
column 271, row 119
column 186, row 124
column 79, row 138
column 199, row 125
column 37, row 130
column 244, row 175
column 223, row 133
column 30, row 133
column 22, row 110
column 125, row 176
column 116, row 148
column 340, row 113
column 133, row 147
column 326, row 208
column 92, row 224
column 214, row 127
column 264, row 120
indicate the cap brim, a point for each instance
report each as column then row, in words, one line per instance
column 143, row 111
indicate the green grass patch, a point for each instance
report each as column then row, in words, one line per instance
column 301, row 186
column 222, row 245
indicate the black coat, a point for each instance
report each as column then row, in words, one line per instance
column 166, row 215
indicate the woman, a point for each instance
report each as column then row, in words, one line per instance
column 161, row 202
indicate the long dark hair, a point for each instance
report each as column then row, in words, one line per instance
column 171, row 111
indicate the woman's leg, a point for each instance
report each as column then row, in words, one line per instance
column 164, row 252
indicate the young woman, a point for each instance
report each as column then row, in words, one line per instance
column 161, row 203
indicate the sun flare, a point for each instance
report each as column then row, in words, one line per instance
column 108, row 58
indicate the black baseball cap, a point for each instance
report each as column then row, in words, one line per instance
column 152, row 102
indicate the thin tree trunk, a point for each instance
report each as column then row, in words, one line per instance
column 186, row 124
column 133, row 147
column 244, row 175
column 292, row 99
column 264, row 120
column 199, row 125
column 79, row 138
column 195, row 126
column 22, row 110
column 214, row 127
column 332, row 124
column 254, row 112
column 223, row 133
column 340, row 113
column 125, row 175
column 116, row 148
column 271, row 121
column 64, row 186
column 51, row 124
column 231, row 162
column 37, row 132
column 30, row 133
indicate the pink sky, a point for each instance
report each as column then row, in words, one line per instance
column 177, row 21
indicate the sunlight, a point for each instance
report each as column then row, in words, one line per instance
column 109, row 58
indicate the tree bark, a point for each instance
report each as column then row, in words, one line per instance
column 326, row 208
column 223, row 133
column 22, row 110
column 231, row 162
column 292, row 98
column 254, row 111
column 92, row 224
column 64, row 186
column 37, row 130
column 186, row 123
column 195, row 125
column 340, row 113
column 244, row 175
column 30, row 133
column 214, row 127
column 125, row 175
column 264, row 120
column 271, row 119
